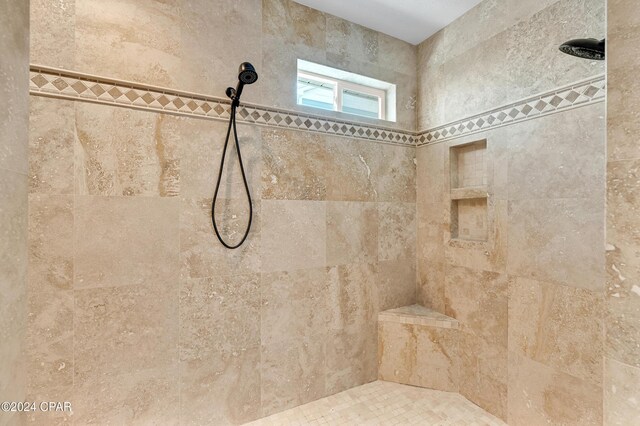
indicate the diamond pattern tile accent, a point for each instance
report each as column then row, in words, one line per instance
column 571, row 96
column 88, row 88
column 79, row 86
column 39, row 80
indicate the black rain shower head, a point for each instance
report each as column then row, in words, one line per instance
column 246, row 75
column 586, row 48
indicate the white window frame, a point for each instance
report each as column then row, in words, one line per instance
column 339, row 86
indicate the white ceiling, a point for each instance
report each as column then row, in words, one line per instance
column 409, row 20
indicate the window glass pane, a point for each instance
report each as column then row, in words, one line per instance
column 315, row 93
column 360, row 104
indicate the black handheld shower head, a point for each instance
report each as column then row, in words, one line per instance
column 586, row 48
column 246, row 75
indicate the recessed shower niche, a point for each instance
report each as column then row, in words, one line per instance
column 469, row 191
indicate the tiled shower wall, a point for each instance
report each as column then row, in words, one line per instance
column 530, row 299
column 622, row 302
column 137, row 313
column 14, row 83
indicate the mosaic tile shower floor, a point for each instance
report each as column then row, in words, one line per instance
column 385, row 403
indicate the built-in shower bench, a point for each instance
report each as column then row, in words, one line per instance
column 418, row 346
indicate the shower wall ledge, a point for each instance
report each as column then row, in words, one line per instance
column 64, row 84
column 418, row 315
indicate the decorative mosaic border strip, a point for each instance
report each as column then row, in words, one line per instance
column 572, row 96
column 52, row 82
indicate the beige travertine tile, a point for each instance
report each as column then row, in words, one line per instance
column 121, row 241
column 14, row 46
column 622, row 48
column 13, row 282
column 557, row 240
column 221, row 387
column 431, row 284
column 467, row 92
column 430, row 178
column 573, row 159
column 353, row 300
column 540, row 395
column 219, row 314
column 349, row 41
column 295, row 304
column 432, row 97
column 125, row 329
column 483, row 373
column 49, row 351
column 397, row 178
column 418, row 355
column 351, row 357
column 200, row 146
column 431, row 53
column 280, row 69
column 621, row 393
column 396, row 351
column 503, row 73
column 201, row 254
column 51, row 241
column 406, row 97
column 52, row 418
column 397, row 55
column 563, row 19
column 352, row 232
column 436, row 353
column 487, row 256
column 52, row 33
column 294, row 165
column 294, row 23
column 469, row 29
column 140, row 397
column 396, row 231
column 479, row 301
column 469, row 220
column 147, row 37
column 293, row 372
column 396, row 282
column 432, row 235
column 126, row 352
column 293, row 235
column 623, row 262
column 214, row 41
column 622, row 331
column 352, row 169
column 557, row 325
column 431, row 88
column 51, row 146
column 126, row 152
column 432, row 203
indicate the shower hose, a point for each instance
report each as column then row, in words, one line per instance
column 232, row 125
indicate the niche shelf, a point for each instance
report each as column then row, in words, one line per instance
column 468, row 192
